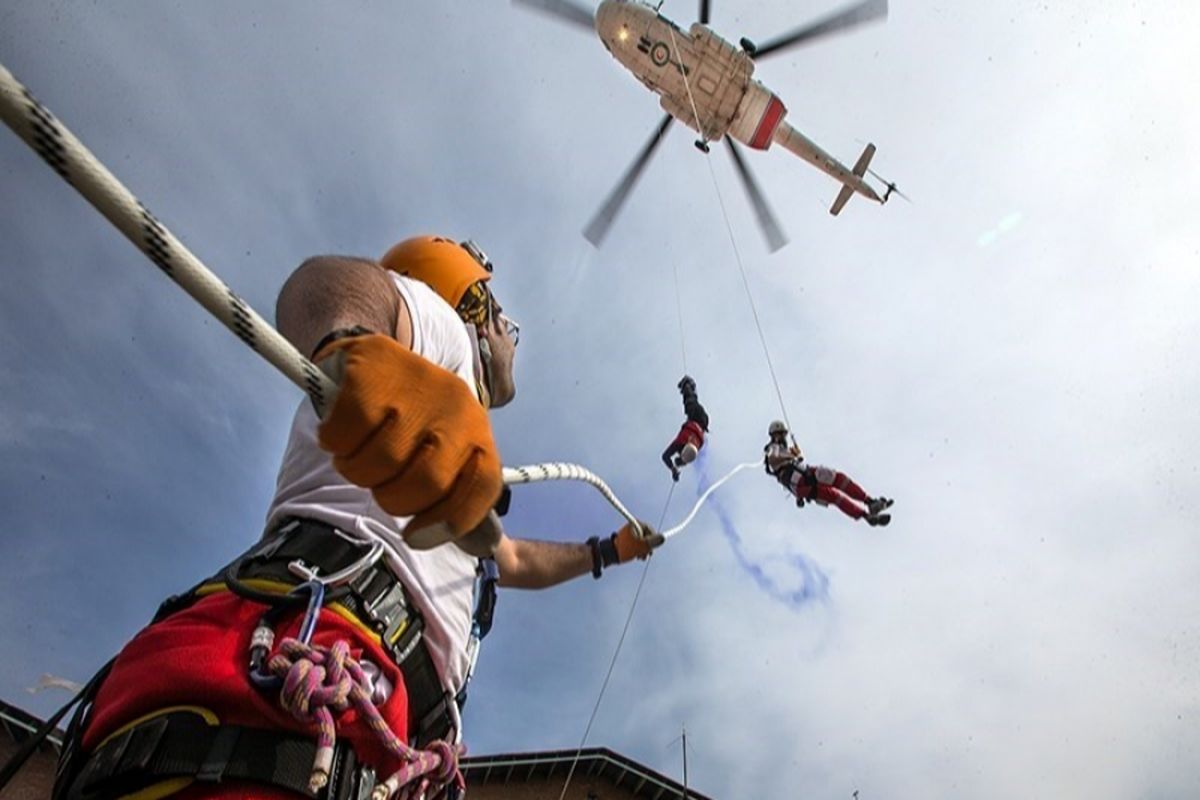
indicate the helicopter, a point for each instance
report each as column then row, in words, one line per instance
column 706, row 82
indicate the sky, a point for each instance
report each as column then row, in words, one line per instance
column 1014, row 356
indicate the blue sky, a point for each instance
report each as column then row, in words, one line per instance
column 1013, row 356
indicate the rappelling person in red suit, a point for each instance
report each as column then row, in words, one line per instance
column 686, row 445
column 822, row 485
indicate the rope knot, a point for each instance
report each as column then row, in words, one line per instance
column 321, row 681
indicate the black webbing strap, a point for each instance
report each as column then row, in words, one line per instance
column 182, row 745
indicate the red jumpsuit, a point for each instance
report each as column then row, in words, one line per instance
column 817, row 483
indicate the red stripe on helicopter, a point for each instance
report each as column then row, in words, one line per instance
column 767, row 125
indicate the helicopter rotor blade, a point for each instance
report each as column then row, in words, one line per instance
column 597, row 229
column 704, row 11
column 766, row 219
column 849, row 17
column 565, row 10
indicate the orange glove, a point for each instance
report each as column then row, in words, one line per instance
column 413, row 434
column 624, row 545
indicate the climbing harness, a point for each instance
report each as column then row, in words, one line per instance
column 309, row 564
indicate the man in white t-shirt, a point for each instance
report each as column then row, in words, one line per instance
column 390, row 500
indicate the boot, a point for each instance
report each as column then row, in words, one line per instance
column 878, row 520
column 877, row 505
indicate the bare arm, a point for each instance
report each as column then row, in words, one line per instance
column 328, row 293
column 533, row 564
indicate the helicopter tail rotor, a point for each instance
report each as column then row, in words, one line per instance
column 890, row 186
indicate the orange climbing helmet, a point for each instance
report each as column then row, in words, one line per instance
column 457, row 272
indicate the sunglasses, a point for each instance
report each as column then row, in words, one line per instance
column 511, row 327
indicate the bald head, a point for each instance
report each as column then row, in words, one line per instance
column 328, row 293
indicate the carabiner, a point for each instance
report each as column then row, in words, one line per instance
column 316, row 587
column 342, row 576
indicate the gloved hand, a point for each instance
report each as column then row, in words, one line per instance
column 628, row 544
column 413, row 434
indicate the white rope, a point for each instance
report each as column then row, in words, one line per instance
column 67, row 156
column 558, row 471
column 679, row 309
column 612, row 663
column 687, row 86
column 79, row 167
column 737, row 255
column 633, row 606
column 667, row 534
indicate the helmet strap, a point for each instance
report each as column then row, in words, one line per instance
column 481, row 361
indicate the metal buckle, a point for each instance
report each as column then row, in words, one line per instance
column 389, row 613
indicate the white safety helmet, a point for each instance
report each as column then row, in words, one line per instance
column 777, row 427
column 688, row 454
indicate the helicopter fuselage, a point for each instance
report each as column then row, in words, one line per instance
column 707, row 83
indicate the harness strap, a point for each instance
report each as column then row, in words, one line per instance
column 182, row 745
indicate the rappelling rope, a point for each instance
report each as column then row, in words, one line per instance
column 749, row 296
column 700, row 501
column 79, row 167
column 686, row 84
column 736, row 253
column 667, row 534
column 679, row 309
column 616, row 652
column 67, row 156
column 561, row 471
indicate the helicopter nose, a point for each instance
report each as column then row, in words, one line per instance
column 607, row 21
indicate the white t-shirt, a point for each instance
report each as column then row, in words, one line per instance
column 439, row 581
column 779, row 454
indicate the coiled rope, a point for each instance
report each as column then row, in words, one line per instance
column 318, row 681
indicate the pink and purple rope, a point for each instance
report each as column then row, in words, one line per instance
column 321, row 681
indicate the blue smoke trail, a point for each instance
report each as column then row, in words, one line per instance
column 814, row 585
